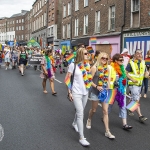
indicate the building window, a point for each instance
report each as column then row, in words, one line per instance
column 19, row 20
column 68, row 30
column 64, row 11
column 22, row 27
column 69, row 9
column 17, row 28
column 135, row 15
column 53, row 5
column 22, row 20
column 76, row 27
column 52, row 31
column 64, row 28
column 13, row 22
column 53, row 16
column 76, row 5
column 85, row 3
column 112, row 18
column 40, row 4
column 85, row 24
column 16, row 21
column 22, row 37
column 97, row 21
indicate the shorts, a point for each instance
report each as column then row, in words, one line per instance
column 22, row 62
column 135, row 92
column 7, row 60
column 93, row 97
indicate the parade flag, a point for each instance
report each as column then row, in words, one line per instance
column 67, row 82
column 147, row 61
column 90, row 49
column 133, row 105
column 69, row 58
column 93, row 40
column 111, row 96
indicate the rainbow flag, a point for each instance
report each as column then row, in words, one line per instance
column 147, row 61
column 132, row 106
column 68, row 83
column 90, row 49
column 69, row 58
column 111, row 96
column 93, row 40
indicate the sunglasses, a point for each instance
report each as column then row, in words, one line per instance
column 85, row 53
column 121, row 59
column 104, row 58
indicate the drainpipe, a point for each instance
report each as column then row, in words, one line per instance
column 121, row 37
column 71, row 23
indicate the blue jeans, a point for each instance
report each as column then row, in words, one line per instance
column 145, row 85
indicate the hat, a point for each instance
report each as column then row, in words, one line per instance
column 124, row 51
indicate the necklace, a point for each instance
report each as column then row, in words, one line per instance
column 87, row 77
column 103, row 76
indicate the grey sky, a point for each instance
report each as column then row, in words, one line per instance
column 10, row 7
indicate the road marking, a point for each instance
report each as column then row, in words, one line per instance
column 58, row 81
column 1, row 133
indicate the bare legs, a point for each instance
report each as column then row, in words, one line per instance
column 51, row 85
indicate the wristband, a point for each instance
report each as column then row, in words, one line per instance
column 96, row 86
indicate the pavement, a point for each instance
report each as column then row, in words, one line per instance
column 33, row 120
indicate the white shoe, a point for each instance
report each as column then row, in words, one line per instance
column 88, row 124
column 75, row 127
column 6, row 69
column 84, row 142
column 109, row 135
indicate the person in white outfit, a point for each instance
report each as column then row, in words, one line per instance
column 79, row 91
column 7, row 57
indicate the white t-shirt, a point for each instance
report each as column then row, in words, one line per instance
column 78, row 86
column 7, row 54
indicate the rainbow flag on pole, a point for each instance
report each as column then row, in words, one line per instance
column 69, row 58
column 68, row 83
column 90, row 49
column 132, row 106
column 111, row 96
column 93, row 40
column 147, row 61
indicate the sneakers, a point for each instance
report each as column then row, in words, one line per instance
column 75, row 127
column 6, row 69
column 142, row 119
column 145, row 95
column 109, row 135
column 127, row 127
column 84, row 142
column 130, row 113
column 88, row 124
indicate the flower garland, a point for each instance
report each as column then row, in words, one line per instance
column 103, row 76
column 48, row 66
column 122, row 83
column 87, row 77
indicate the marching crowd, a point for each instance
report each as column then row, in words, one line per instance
column 91, row 76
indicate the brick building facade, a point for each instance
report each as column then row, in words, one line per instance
column 136, row 33
column 101, row 20
column 39, row 21
column 54, row 23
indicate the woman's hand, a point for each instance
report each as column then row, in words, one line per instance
column 45, row 72
column 70, row 97
column 99, row 88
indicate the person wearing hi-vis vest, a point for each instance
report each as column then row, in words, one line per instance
column 118, row 81
column 135, row 72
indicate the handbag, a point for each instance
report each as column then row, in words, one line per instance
column 102, row 95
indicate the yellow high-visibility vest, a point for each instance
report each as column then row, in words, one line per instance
column 137, row 73
column 113, row 75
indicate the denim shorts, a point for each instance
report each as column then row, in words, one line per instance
column 93, row 97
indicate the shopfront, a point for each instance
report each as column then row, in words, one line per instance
column 137, row 40
column 108, row 44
